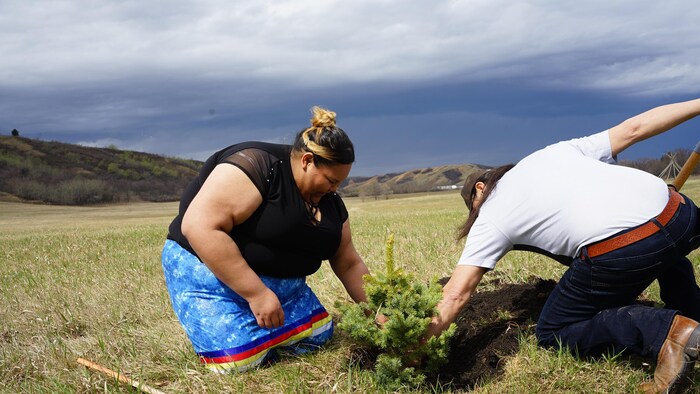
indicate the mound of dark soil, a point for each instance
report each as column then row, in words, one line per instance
column 488, row 330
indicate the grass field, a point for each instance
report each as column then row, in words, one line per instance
column 87, row 282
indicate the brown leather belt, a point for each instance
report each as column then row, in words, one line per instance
column 639, row 233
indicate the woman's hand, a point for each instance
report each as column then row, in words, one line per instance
column 267, row 309
column 380, row 319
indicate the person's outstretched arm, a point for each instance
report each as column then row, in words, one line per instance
column 651, row 123
column 455, row 294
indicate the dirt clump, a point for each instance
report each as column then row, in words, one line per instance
column 488, row 330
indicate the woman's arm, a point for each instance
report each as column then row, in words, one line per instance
column 455, row 294
column 227, row 198
column 349, row 267
column 651, row 123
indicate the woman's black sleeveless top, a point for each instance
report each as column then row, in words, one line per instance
column 279, row 239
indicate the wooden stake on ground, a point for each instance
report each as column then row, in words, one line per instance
column 688, row 168
column 118, row 376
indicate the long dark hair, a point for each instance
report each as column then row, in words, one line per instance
column 490, row 178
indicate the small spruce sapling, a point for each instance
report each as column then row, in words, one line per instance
column 409, row 307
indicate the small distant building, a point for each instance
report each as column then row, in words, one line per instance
column 448, row 187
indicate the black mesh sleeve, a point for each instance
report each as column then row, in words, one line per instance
column 256, row 164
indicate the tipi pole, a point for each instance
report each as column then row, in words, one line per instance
column 688, row 168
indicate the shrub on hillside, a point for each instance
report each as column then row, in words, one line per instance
column 69, row 192
column 409, row 306
column 84, row 191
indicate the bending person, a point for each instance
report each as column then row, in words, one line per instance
column 257, row 220
column 617, row 228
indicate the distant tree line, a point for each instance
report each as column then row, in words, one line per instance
column 77, row 191
column 658, row 165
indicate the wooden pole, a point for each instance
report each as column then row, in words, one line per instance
column 688, row 168
column 119, row 377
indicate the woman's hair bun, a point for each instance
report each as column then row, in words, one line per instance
column 328, row 142
column 322, row 117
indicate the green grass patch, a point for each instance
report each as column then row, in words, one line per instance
column 87, row 282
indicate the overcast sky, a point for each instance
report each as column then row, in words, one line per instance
column 414, row 83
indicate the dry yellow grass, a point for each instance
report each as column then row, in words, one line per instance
column 87, row 282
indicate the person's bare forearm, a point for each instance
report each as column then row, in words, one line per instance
column 650, row 123
column 455, row 295
column 222, row 256
column 349, row 267
column 352, row 279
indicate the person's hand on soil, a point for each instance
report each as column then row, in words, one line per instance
column 267, row 309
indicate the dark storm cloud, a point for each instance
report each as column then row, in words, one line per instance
column 414, row 83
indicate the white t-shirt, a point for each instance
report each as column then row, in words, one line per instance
column 561, row 198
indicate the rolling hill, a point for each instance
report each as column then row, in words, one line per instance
column 445, row 177
column 59, row 173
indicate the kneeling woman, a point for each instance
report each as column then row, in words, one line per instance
column 257, row 220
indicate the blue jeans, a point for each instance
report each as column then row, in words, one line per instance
column 592, row 309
